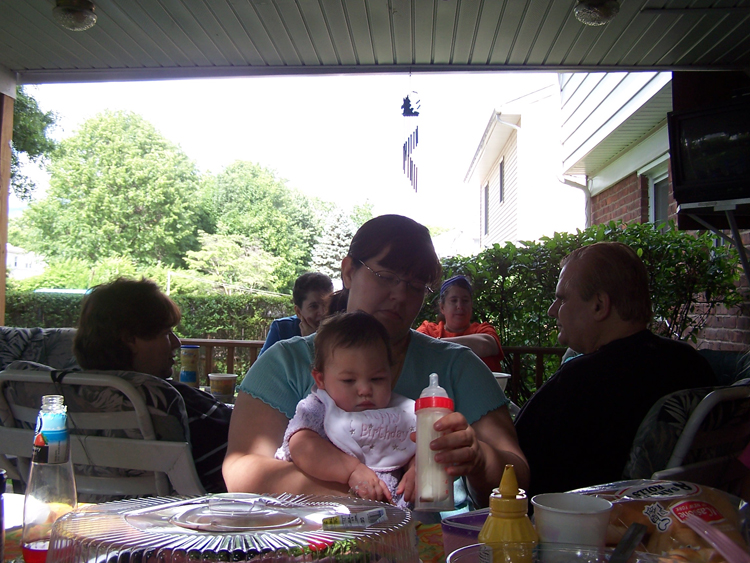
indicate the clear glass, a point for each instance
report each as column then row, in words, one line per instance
column 51, row 488
column 545, row 553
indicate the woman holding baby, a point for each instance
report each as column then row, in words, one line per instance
column 390, row 267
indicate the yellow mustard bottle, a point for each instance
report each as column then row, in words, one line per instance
column 508, row 534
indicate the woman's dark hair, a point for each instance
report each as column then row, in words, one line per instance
column 409, row 251
column 348, row 330
column 113, row 313
column 309, row 282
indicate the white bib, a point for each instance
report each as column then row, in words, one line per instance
column 379, row 438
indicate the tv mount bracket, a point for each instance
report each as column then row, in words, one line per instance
column 728, row 207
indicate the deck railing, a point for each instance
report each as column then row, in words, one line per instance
column 208, row 345
column 514, row 354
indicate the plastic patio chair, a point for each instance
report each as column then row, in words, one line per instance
column 114, row 434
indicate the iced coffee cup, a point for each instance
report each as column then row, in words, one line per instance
column 222, row 386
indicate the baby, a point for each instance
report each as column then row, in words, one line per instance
column 352, row 429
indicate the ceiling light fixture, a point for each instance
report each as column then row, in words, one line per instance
column 74, row 15
column 596, row 12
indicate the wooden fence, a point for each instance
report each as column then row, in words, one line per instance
column 232, row 347
column 513, row 354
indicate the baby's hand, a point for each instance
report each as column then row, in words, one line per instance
column 407, row 485
column 366, row 484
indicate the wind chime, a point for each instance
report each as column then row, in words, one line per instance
column 410, row 109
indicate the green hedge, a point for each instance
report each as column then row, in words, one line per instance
column 47, row 310
column 235, row 317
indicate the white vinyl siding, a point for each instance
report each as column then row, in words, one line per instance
column 503, row 217
column 606, row 114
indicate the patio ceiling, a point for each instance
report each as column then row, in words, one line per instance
column 160, row 39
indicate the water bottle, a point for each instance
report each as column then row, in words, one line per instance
column 51, row 488
column 434, row 485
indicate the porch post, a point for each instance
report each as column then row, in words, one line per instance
column 7, row 101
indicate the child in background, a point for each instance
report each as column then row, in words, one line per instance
column 310, row 296
column 352, row 429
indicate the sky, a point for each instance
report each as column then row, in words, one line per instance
column 339, row 138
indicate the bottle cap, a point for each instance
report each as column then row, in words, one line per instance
column 433, row 396
column 508, row 499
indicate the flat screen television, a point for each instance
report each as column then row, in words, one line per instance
column 710, row 152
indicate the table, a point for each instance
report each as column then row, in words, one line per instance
column 430, row 536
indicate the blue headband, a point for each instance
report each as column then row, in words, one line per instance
column 461, row 281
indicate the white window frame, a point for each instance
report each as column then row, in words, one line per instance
column 655, row 171
column 486, row 204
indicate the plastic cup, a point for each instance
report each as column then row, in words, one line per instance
column 571, row 518
column 502, row 379
column 222, row 386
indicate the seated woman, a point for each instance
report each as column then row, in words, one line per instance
column 390, row 267
column 127, row 325
column 456, row 326
column 310, row 295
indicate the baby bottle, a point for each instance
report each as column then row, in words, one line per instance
column 508, row 534
column 434, row 485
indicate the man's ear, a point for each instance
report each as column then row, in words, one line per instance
column 318, row 377
column 129, row 341
column 297, row 311
column 602, row 306
column 347, row 269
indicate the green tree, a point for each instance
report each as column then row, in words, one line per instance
column 75, row 273
column 252, row 201
column 333, row 244
column 30, row 129
column 361, row 213
column 232, row 260
column 118, row 188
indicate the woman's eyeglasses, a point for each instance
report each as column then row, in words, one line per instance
column 390, row 280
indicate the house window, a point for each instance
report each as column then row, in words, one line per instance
column 661, row 200
column 502, row 180
column 658, row 189
column 486, row 209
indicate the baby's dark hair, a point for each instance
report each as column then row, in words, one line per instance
column 348, row 330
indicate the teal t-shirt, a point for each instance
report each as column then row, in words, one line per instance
column 281, row 376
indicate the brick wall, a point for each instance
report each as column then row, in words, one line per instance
column 726, row 329
column 627, row 200
column 729, row 329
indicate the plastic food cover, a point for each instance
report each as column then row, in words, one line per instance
column 235, row 527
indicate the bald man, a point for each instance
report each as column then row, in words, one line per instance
column 578, row 428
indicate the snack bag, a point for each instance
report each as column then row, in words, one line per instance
column 662, row 507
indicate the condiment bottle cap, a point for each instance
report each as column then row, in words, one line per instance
column 508, row 499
